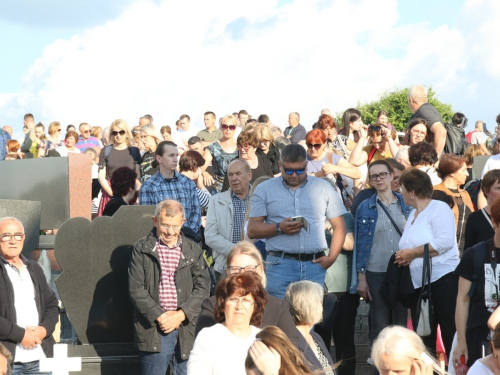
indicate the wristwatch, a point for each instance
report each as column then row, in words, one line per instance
column 278, row 230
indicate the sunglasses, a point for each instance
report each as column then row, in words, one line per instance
column 86, row 131
column 317, row 146
column 375, row 128
column 289, row 171
column 58, row 130
column 230, row 127
column 114, row 133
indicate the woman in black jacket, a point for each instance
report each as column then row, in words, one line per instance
column 267, row 147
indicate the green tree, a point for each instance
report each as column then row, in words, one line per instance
column 395, row 103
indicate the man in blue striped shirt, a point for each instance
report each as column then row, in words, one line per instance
column 167, row 183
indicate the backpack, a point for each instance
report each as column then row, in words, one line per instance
column 469, row 135
column 455, row 139
column 473, row 187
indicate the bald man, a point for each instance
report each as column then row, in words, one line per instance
column 421, row 108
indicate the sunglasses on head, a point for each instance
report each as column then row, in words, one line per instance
column 290, row 171
column 375, row 127
column 115, row 133
column 230, row 127
column 317, row 146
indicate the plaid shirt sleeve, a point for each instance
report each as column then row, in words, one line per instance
column 194, row 208
column 145, row 195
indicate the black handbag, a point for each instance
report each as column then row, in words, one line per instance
column 330, row 309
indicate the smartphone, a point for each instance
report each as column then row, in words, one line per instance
column 303, row 220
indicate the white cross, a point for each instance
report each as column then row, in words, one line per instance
column 61, row 364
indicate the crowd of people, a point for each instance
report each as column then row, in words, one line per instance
column 256, row 228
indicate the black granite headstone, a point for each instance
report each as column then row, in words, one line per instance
column 94, row 257
column 29, row 213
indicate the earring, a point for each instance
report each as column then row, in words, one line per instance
column 412, row 197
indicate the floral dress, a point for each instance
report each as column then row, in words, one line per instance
column 220, row 161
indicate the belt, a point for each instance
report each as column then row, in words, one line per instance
column 300, row 257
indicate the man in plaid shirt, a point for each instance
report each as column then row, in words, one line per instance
column 167, row 183
column 168, row 281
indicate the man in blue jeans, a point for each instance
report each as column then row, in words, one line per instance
column 290, row 212
column 168, row 281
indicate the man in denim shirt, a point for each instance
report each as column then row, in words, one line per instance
column 376, row 239
column 295, row 253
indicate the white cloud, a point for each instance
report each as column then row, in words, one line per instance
column 173, row 57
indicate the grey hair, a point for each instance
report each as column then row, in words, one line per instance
column 306, row 301
column 418, row 93
column 170, row 207
column 153, row 131
column 11, row 219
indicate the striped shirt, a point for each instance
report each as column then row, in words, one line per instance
column 180, row 188
column 84, row 144
column 169, row 261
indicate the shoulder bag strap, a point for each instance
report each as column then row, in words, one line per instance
column 372, row 152
column 487, row 217
column 390, row 218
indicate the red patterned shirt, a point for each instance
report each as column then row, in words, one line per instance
column 169, row 260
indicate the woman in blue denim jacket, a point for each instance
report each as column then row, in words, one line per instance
column 364, row 228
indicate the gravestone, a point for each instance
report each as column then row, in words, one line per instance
column 94, row 258
column 29, row 213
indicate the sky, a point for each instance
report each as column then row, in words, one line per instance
column 96, row 61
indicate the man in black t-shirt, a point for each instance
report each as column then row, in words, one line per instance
column 421, row 108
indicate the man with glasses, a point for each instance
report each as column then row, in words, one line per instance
column 86, row 140
column 168, row 282
column 29, row 309
column 379, row 223
column 290, row 213
column 226, row 214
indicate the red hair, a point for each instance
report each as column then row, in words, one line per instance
column 316, row 136
column 325, row 121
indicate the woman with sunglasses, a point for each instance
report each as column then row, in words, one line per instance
column 220, row 154
column 150, row 138
column 118, row 154
column 53, row 141
column 418, row 131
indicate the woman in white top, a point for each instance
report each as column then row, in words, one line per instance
column 489, row 365
column 432, row 222
column 69, row 144
column 222, row 348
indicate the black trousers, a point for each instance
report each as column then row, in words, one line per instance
column 343, row 333
column 444, row 300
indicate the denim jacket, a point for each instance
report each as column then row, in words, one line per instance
column 364, row 229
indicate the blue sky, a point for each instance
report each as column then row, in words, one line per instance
column 95, row 61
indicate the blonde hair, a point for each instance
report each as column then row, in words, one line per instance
column 263, row 133
column 122, row 124
column 400, row 341
column 152, row 131
column 306, row 301
column 230, row 117
column 247, row 248
column 96, row 131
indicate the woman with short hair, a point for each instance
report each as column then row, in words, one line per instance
column 401, row 351
column 432, row 223
column 123, row 186
column 306, row 305
column 70, row 141
column 190, row 165
column 453, row 171
column 53, row 141
column 423, row 156
column 222, row 348
column 267, row 147
column 336, row 142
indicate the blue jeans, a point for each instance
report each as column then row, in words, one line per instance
column 31, row 368
column 170, row 355
column 280, row 272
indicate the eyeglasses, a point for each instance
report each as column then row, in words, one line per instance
column 246, row 148
column 168, row 226
column 418, row 132
column 290, row 171
column 382, row 176
column 244, row 301
column 114, row 133
column 6, row 237
column 317, row 146
column 145, row 136
column 236, row 269
column 230, row 127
